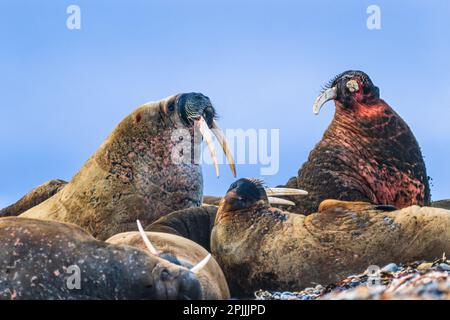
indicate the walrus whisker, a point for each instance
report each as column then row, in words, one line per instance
column 206, row 133
column 284, row 202
column 146, row 240
column 224, row 144
column 327, row 95
column 201, row 264
column 274, row 192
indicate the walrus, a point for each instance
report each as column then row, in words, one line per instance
column 147, row 167
column 33, row 198
column 196, row 223
column 180, row 251
column 368, row 153
column 42, row 260
column 260, row 247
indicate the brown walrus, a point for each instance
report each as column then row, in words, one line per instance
column 196, row 223
column 33, row 198
column 52, row 260
column 147, row 167
column 183, row 252
column 259, row 247
column 368, row 153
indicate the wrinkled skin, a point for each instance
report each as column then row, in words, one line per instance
column 33, row 198
column 132, row 175
column 36, row 258
column 183, row 252
column 194, row 224
column 368, row 153
column 259, row 247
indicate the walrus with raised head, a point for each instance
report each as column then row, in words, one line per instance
column 368, row 153
column 43, row 260
column 260, row 247
column 196, row 223
column 147, row 167
column 180, row 251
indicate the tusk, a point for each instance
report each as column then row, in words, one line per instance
column 284, row 202
column 201, row 264
column 327, row 95
column 206, row 133
column 147, row 242
column 224, row 144
column 274, row 192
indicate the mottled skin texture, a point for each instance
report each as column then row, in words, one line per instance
column 35, row 256
column 368, row 153
column 183, row 252
column 259, row 247
column 132, row 175
column 194, row 224
column 33, row 198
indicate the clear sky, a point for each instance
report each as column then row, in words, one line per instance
column 261, row 62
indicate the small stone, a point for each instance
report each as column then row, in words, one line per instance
column 391, row 267
column 444, row 266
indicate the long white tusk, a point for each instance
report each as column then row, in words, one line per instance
column 327, row 95
column 224, row 144
column 201, row 264
column 147, row 242
column 275, row 192
column 206, row 133
column 284, row 202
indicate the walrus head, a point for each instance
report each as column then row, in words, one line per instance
column 195, row 110
column 172, row 282
column 249, row 193
column 349, row 89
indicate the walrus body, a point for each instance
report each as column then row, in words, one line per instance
column 38, row 259
column 184, row 252
column 33, row 198
column 139, row 172
column 368, row 153
column 194, row 224
column 259, row 247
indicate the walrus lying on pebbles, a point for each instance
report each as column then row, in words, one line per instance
column 146, row 168
column 43, row 260
column 180, row 251
column 33, row 198
column 368, row 153
column 259, row 247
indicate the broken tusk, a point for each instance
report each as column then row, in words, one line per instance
column 224, row 144
column 327, row 95
column 284, row 202
column 206, row 133
column 147, row 242
column 201, row 264
column 276, row 192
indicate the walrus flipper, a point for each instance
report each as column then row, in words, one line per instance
column 194, row 224
column 33, row 198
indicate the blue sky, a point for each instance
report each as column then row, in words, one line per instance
column 261, row 62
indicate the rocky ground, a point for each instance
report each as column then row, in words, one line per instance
column 417, row 280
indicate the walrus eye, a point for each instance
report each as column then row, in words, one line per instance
column 171, row 107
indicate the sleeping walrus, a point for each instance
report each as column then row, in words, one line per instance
column 180, row 251
column 52, row 260
column 147, row 167
column 259, row 247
